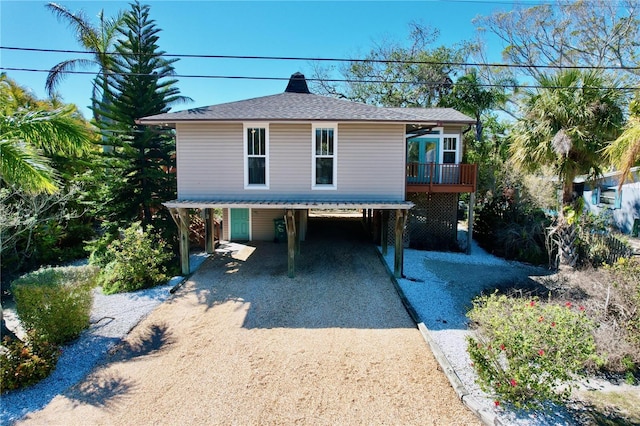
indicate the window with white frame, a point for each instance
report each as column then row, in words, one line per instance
column 449, row 149
column 325, row 144
column 256, row 150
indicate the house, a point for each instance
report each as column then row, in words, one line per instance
column 603, row 196
column 279, row 156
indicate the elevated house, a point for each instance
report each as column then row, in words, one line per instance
column 279, row 156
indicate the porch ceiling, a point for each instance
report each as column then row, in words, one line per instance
column 290, row 204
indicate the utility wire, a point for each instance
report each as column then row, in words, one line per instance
column 331, row 80
column 382, row 61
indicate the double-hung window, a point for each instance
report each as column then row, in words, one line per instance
column 325, row 148
column 256, row 152
column 449, row 149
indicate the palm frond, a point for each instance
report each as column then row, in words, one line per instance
column 23, row 166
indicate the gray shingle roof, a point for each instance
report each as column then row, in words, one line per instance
column 307, row 107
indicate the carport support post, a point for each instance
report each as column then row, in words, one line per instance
column 384, row 232
column 290, row 223
column 472, row 202
column 181, row 218
column 209, row 234
column 401, row 220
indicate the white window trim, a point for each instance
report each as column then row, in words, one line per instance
column 324, row 187
column 245, row 156
column 441, row 153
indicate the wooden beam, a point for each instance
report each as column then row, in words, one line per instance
column 209, row 231
column 384, row 236
column 290, row 223
column 472, row 202
column 296, row 215
column 401, row 220
column 181, row 218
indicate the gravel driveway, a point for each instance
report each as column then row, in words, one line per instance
column 241, row 343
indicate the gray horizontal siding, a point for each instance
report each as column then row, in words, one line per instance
column 262, row 223
column 371, row 161
column 290, row 159
column 209, row 160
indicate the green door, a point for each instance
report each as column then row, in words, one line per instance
column 239, row 224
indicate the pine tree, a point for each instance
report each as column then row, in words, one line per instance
column 139, row 174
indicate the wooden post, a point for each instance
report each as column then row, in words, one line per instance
column 290, row 223
column 384, row 232
column 401, row 220
column 209, row 231
column 472, row 202
column 296, row 215
column 181, row 218
column 304, row 216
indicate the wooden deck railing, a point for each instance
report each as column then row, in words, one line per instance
column 435, row 177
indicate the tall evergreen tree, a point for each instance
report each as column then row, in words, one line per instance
column 139, row 173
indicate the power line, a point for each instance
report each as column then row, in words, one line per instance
column 331, row 80
column 319, row 59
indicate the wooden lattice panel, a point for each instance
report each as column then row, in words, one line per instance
column 433, row 221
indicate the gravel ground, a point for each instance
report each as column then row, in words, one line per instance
column 112, row 317
column 242, row 344
column 440, row 286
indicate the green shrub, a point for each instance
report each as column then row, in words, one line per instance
column 55, row 302
column 626, row 281
column 139, row 259
column 26, row 363
column 511, row 228
column 528, row 352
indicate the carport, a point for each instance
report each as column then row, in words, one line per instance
column 295, row 218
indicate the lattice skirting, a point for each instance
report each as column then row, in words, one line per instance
column 432, row 223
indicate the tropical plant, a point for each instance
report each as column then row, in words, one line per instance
column 139, row 173
column 624, row 152
column 98, row 41
column 565, row 125
column 31, row 131
column 469, row 96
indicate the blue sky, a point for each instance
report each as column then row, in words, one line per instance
column 265, row 28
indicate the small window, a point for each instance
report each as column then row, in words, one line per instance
column 256, row 141
column 449, row 149
column 324, row 157
column 611, row 197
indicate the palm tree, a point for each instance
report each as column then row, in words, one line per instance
column 31, row 130
column 469, row 97
column 99, row 41
column 624, row 152
column 565, row 125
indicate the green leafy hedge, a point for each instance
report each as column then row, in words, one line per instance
column 55, row 302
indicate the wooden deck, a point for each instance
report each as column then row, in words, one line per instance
column 435, row 177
